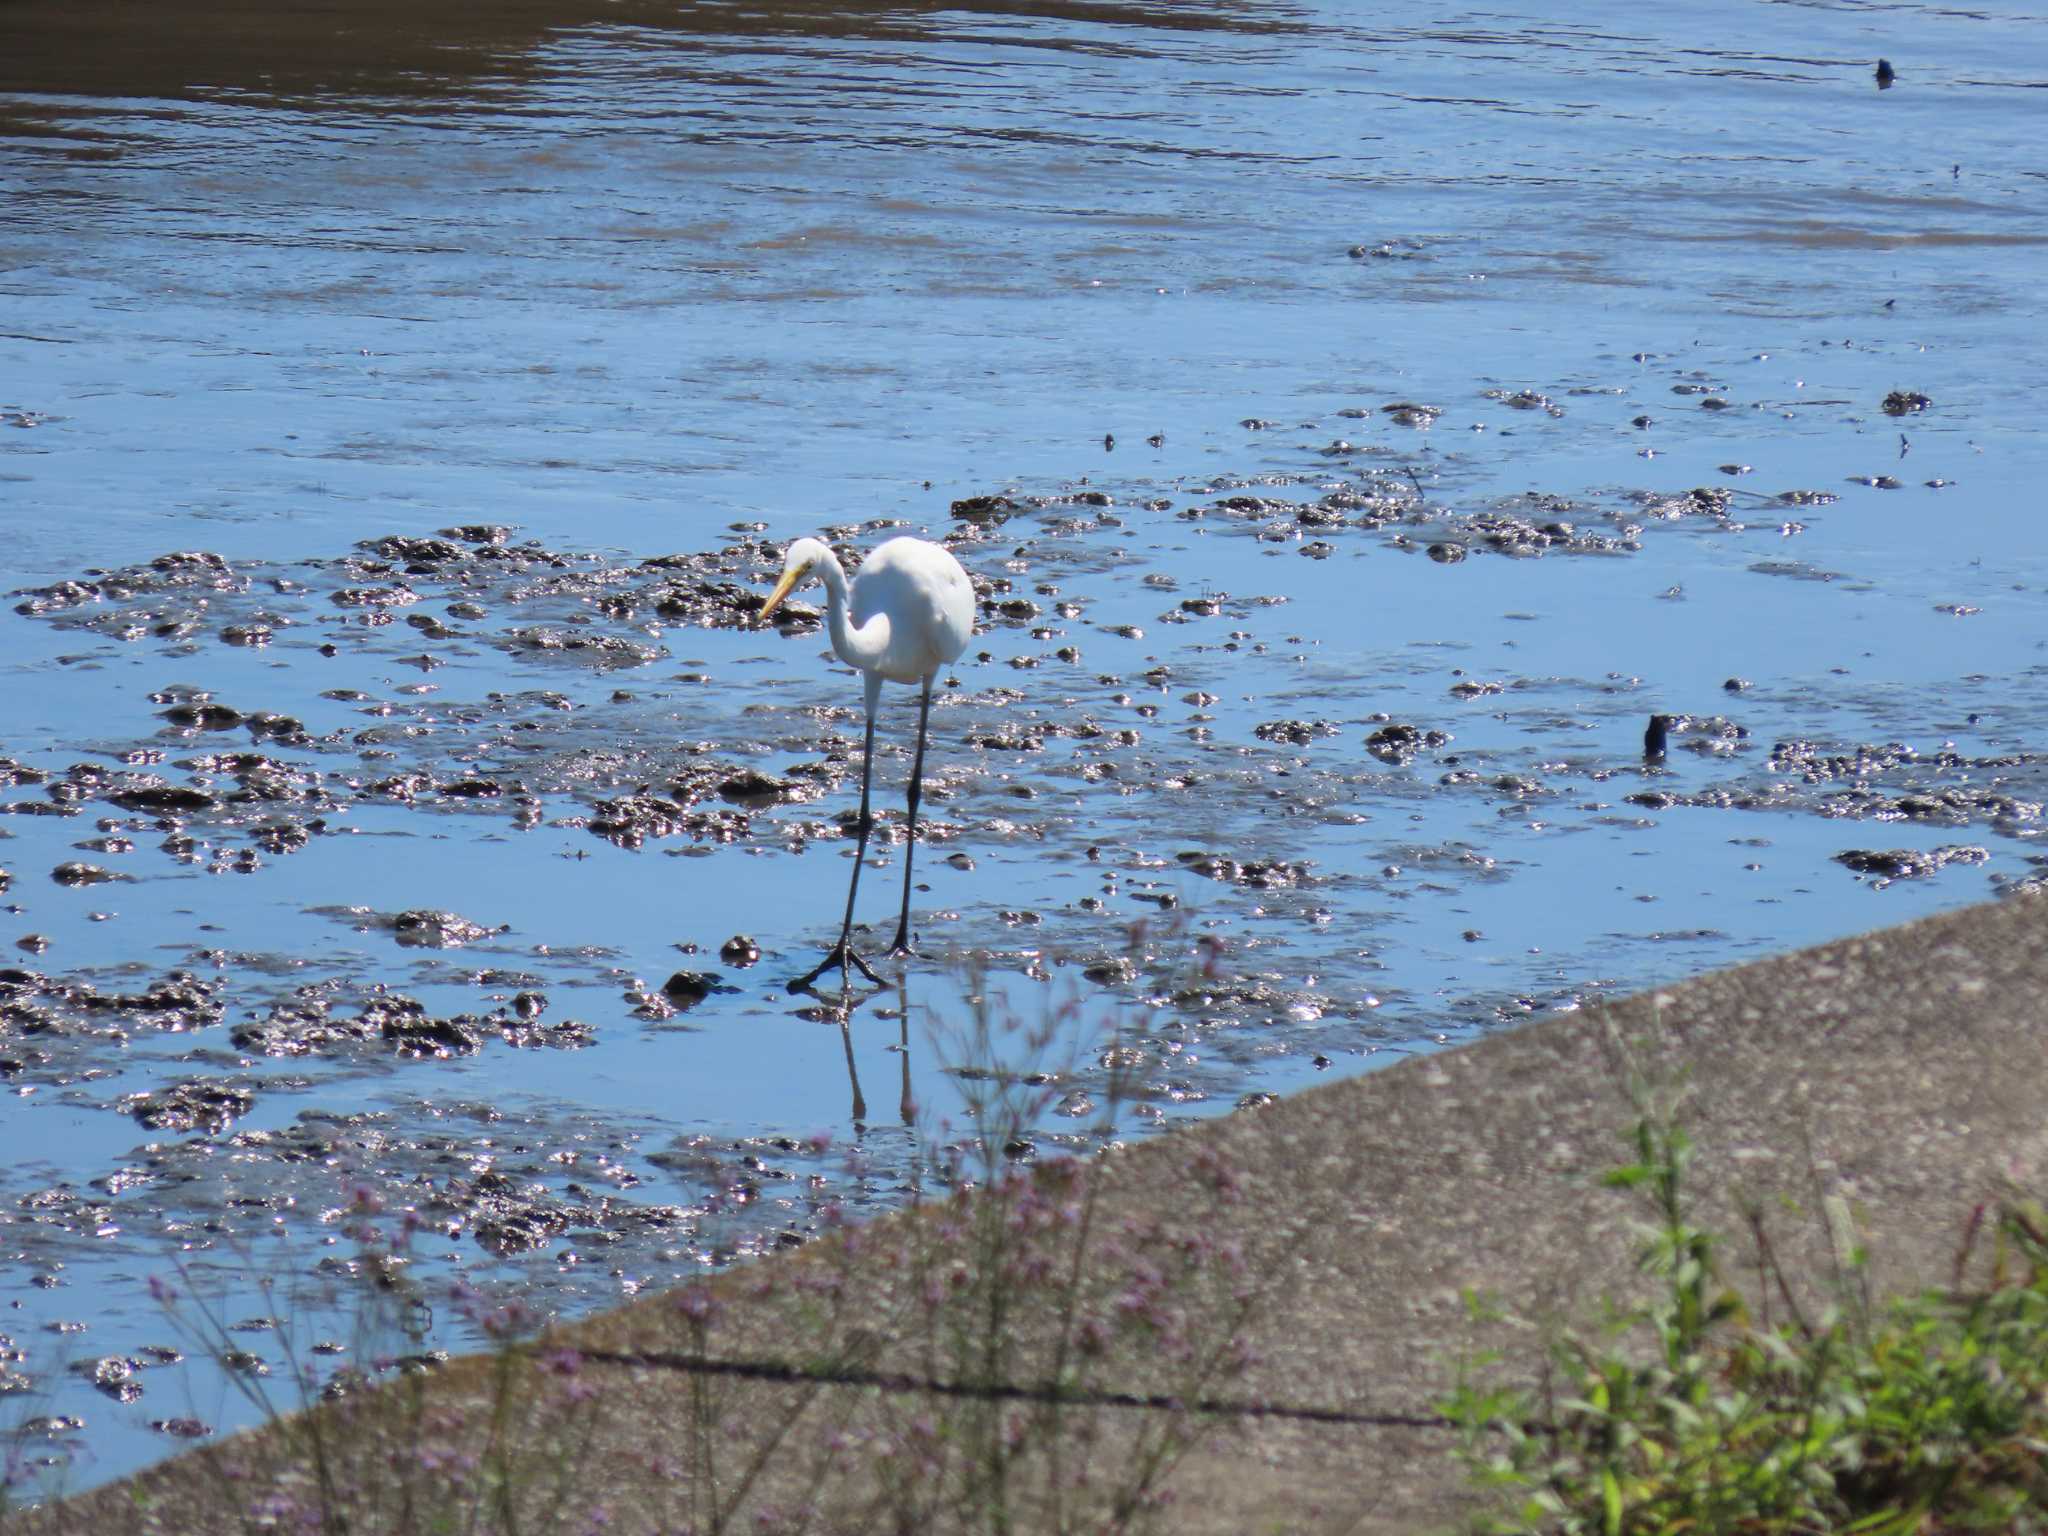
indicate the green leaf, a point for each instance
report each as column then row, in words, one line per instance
column 1610, row 1500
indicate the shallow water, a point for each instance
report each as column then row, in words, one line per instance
column 650, row 285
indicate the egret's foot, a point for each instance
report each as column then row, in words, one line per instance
column 842, row 955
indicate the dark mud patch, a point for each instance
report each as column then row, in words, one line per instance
column 34, row 1006
column 198, row 1104
column 1885, row 866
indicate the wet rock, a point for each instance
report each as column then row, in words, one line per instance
column 685, row 989
column 703, row 601
column 302, row 1027
column 1817, row 764
column 112, row 1376
column 1408, row 414
column 175, row 1003
column 163, row 800
column 753, row 788
column 201, row 1104
column 283, row 728
column 261, row 779
column 988, row 509
column 1296, row 733
column 57, row 597
column 508, row 1218
column 471, row 789
column 74, row 873
column 631, row 820
column 403, row 787
column 1444, row 553
column 374, row 597
column 1075, row 1105
column 202, row 715
column 190, row 567
column 1256, row 506
column 182, row 1428
column 1473, row 688
column 1525, row 400
column 1904, row 402
column 426, row 929
column 1256, row 874
column 527, row 1032
column 1892, row 864
column 793, row 617
column 280, row 837
column 51, row 1426
column 35, row 1004
column 403, row 549
column 1398, row 744
column 1115, row 971
column 1700, row 501
column 38, row 808
column 1508, row 531
column 405, row 1025
column 739, row 951
column 605, row 652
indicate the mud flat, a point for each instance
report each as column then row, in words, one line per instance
column 465, row 866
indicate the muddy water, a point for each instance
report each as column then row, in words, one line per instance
column 1385, row 423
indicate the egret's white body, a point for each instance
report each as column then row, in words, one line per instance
column 907, row 613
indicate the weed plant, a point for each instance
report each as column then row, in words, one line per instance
column 1686, row 1415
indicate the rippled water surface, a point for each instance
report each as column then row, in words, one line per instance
column 1386, row 422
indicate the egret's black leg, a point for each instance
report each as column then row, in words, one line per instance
column 841, row 954
column 924, row 715
column 908, row 1106
column 860, row 1105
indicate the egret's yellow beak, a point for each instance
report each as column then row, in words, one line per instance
column 782, row 590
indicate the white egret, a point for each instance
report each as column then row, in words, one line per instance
column 907, row 613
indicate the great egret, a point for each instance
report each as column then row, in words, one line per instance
column 907, row 613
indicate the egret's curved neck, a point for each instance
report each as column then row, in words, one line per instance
column 860, row 647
